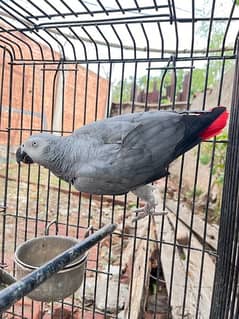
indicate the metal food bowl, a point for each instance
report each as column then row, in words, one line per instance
column 35, row 252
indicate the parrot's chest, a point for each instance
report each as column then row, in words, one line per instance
column 100, row 186
column 65, row 175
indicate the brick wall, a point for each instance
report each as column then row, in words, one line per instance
column 38, row 94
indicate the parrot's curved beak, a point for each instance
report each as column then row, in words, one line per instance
column 22, row 156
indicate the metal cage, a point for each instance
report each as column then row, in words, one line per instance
column 65, row 64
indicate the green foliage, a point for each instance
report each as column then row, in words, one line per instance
column 218, row 168
column 199, row 81
column 205, row 158
column 180, row 76
column 219, row 158
column 143, row 83
column 154, row 82
column 165, row 101
column 198, row 193
column 215, row 66
column 179, row 79
column 122, row 91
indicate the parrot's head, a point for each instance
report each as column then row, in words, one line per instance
column 34, row 149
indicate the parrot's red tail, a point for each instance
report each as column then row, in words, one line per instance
column 216, row 127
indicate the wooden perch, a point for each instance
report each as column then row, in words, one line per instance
column 175, row 273
column 198, row 224
column 174, row 260
column 141, row 269
column 197, row 260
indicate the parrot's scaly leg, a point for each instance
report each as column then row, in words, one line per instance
column 145, row 193
column 146, row 211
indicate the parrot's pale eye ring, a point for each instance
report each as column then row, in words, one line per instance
column 34, row 143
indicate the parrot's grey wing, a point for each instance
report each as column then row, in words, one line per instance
column 148, row 149
column 128, row 152
column 110, row 131
column 107, row 165
column 159, row 133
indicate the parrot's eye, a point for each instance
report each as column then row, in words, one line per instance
column 34, row 143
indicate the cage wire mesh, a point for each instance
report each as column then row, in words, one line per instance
column 66, row 64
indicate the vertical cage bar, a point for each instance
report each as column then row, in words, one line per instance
column 229, row 221
column 6, row 188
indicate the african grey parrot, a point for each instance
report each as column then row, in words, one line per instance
column 123, row 153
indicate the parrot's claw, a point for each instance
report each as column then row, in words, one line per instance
column 146, row 211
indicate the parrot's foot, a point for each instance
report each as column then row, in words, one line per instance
column 147, row 210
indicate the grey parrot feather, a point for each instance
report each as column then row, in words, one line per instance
column 116, row 155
